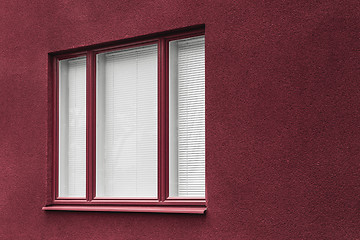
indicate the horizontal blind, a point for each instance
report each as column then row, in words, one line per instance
column 126, row 142
column 72, row 127
column 187, row 117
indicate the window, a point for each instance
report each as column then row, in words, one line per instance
column 129, row 126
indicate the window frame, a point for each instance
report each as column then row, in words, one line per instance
column 163, row 203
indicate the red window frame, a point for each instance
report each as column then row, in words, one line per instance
column 163, row 203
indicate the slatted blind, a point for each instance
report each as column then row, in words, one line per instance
column 72, row 127
column 126, row 130
column 187, row 117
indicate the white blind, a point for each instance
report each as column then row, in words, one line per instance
column 187, row 117
column 126, row 130
column 72, row 127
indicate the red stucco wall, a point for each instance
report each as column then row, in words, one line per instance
column 282, row 115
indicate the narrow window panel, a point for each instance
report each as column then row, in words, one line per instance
column 126, row 123
column 72, row 128
column 187, row 117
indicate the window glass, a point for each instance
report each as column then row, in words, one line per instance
column 72, row 127
column 126, row 123
column 187, row 117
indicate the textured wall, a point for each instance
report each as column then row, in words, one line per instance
column 283, row 116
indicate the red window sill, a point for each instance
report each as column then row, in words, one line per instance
column 141, row 209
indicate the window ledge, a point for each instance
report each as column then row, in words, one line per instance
column 141, row 209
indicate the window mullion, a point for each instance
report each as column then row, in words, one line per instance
column 90, row 125
column 162, row 121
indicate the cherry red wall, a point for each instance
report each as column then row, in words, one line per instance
column 282, row 115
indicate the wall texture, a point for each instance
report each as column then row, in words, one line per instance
column 282, row 115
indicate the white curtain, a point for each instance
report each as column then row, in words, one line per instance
column 126, row 130
column 72, row 127
column 187, row 117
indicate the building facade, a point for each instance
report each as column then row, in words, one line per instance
column 282, row 117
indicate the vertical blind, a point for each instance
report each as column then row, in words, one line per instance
column 187, row 117
column 72, row 127
column 126, row 128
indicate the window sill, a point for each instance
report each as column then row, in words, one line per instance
column 140, row 209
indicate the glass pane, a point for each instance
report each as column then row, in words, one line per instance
column 72, row 127
column 187, row 117
column 126, row 129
